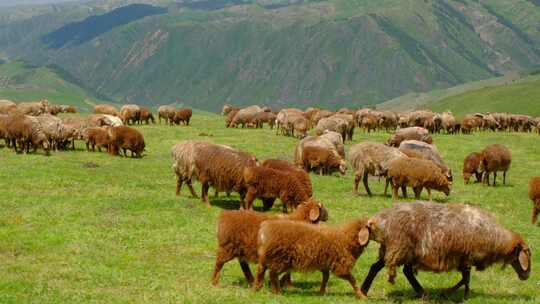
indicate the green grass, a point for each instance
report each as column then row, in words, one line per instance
column 118, row 234
column 20, row 82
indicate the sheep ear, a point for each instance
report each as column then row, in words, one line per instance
column 363, row 236
column 314, row 214
column 523, row 260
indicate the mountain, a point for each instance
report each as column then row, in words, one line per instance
column 20, row 82
column 329, row 53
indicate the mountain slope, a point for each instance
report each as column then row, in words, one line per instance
column 327, row 53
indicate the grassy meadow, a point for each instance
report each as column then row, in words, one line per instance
column 83, row 227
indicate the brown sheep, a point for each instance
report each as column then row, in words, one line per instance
column 227, row 108
column 7, row 107
column 34, row 108
column 237, row 234
column 25, row 131
column 332, row 123
column 219, row 166
column 337, row 140
column 369, row 123
column 329, row 140
column 267, row 183
column 323, row 160
column 130, row 113
column 245, row 116
column 4, row 120
column 125, row 138
column 167, row 113
column 471, row 165
column 534, row 195
column 285, row 246
column 96, row 136
column 411, row 133
column 146, row 116
column 441, row 238
column 285, row 166
column 495, row 158
column 420, row 149
column 369, row 158
column 230, row 116
column 182, row 115
column 261, row 118
column 106, row 109
column 417, row 174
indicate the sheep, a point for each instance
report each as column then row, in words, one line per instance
column 420, row 149
column 96, row 136
column 230, row 117
column 285, row 118
column 495, row 158
column 4, row 120
column 7, row 107
column 534, row 195
column 289, row 168
column 300, row 126
column 245, row 116
column 146, row 116
column 370, row 158
column 261, row 118
column 219, row 166
column 267, row 183
column 328, row 141
column 417, row 174
column 441, row 238
column 130, row 113
column 448, row 122
column 106, row 109
column 369, row 123
column 227, row 108
column 182, row 115
column 323, row 159
column 125, row 138
column 416, row 133
column 320, row 115
column 24, row 131
column 51, row 126
column 336, row 139
column 285, row 246
column 237, row 234
column 167, row 113
column 471, row 165
column 33, row 108
column 111, row 121
column 332, row 123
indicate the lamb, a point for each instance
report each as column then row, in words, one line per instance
column 167, row 113
column 96, row 136
column 416, row 133
column 440, row 238
column 285, row 166
column 417, row 174
column 370, row 158
column 322, row 159
column 285, row 246
column 267, row 183
column 182, row 115
column 420, row 149
column 146, row 115
column 495, row 158
column 237, row 234
column 219, row 166
column 534, row 195
column 106, row 109
column 125, row 138
column 471, row 165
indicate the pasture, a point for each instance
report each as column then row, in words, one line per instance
column 79, row 227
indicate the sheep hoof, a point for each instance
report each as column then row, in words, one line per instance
column 360, row 295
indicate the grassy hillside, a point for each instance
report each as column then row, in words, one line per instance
column 328, row 53
column 20, row 82
column 80, row 227
column 522, row 96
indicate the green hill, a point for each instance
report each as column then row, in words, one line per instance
column 522, row 96
column 329, row 53
column 20, row 82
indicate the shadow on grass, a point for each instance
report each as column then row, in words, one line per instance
column 435, row 295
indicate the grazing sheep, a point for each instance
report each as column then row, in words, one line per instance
column 332, row 123
column 441, row 238
column 420, row 149
column 219, row 166
column 4, row 120
column 25, row 131
column 285, row 166
column 7, row 107
column 237, row 234
column 285, row 246
column 227, row 108
column 125, row 138
column 146, row 116
column 182, row 115
column 34, row 108
column 51, row 126
column 130, row 113
column 167, row 113
column 96, row 136
column 327, row 141
column 111, row 121
column 300, row 126
column 369, row 123
column 417, row 174
column 320, row 115
column 495, row 158
column 245, row 116
column 106, row 109
column 371, row 159
column 261, row 118
column 267, row 183
column 322, row 159
column 230, row 117
column 337, row 140
column 471, row 165
column 534, row 195
column 285, row 119
column 411, row 133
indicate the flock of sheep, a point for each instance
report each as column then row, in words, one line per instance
column 418, row 236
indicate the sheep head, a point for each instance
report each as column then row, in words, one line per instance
column 520, row 259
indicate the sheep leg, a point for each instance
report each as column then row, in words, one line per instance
column 404, row 191
column 274, row 281
column 395, row 192
column 190, row 186
column 409, row 274
column 216, row 194
column 356, row 183
column 494, row 178
column 429, row 194
column 386, row 186
column 204, row 193
column 349, row 277
column 261, row 269
column 417, row 191
column 179, row 181
column 248, row 203
column 366, row 185
column 535, row 212
column 324, row 282
column 222, row 257
column 465, row 279
column 373, row 271
column 504, row 178
column 247, row 272
column 268, row 203
column 285, row 281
